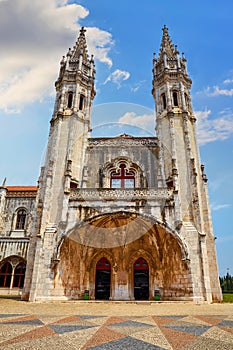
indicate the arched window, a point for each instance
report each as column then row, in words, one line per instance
column 175, row 98
column 81, row 102
column 19, row 275
column 21, row 219
column 70, row 99
column 122, row 178
column 164, row 101
column 5, row 275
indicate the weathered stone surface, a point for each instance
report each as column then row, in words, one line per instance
column 125, row 216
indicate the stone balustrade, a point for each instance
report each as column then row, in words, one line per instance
column 120, row 194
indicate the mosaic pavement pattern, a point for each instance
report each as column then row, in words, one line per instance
column 23, row 331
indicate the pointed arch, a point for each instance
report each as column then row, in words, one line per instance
column 103, row 254
column 146, row 292
column 19, row 275
column 12, row 272
column 6, row 275
column 103, row 279
column 141, row 279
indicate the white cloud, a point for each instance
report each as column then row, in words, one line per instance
column 209, row 130
column 117, row 77
column 137, row 86
column 216, row 207
column 34, row 35
column 228, row 81
column 99, row 44
column 145, row 121
column 217, row 91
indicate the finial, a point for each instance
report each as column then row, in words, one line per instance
column 69, row 52
column 62, row 60
column 176, row 49
column 82, row 31
column 165, row 29
column 4, row 182
column 183, row 57
column 154, row 57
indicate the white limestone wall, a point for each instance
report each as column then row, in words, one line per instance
column 11, row 246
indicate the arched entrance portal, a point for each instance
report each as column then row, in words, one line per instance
column 141, row 280
column 102, row 279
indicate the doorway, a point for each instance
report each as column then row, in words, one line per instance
column 103, row 279
column 141, row 280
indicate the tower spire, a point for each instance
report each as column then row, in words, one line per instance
column 167, row 47
column 170, row 78
column 75, row 83
column 80, row 48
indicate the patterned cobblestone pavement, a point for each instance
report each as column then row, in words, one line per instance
column 53, row 330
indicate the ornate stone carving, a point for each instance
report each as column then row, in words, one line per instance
column 118, row 141
column 115, row 194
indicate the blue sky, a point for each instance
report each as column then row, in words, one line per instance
column 123, row 36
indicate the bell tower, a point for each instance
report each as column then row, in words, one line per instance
column 182, row 171
column 175, row 122
column 69, row 131
column 63, row 169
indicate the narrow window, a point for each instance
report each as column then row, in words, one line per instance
column 186, row 100
column 164, row 101
column 81, row 102
column 20, row 219
column 175, row 99
column 100, row 177
column 19, row 275
column 70, row 99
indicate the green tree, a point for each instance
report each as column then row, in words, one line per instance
column 226, row 283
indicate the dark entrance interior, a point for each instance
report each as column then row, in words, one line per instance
column 103, row 279
column 141, row 280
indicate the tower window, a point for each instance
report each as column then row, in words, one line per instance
column 186, row 100
column 70, row 99
column 122, row 178
column 175, row 98
column 164, row 101
column 21, row 219
column 81, row 102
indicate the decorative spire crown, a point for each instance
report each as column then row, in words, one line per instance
column 80, row 48
column 167, row 45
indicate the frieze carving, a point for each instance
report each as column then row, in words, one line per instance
column 116, row 194
column 118, row 141
column 20, row 194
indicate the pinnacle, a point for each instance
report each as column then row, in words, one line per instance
column 167, row 45
column 80, row 48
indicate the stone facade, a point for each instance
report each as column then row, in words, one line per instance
column 17, row 205
column 125, row 217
